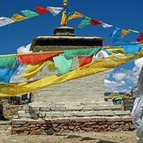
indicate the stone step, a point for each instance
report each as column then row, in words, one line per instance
column 71, row 107
column 66, row 114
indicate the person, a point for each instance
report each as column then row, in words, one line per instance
column 137, row 112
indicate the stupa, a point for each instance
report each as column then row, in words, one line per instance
column 69, row 105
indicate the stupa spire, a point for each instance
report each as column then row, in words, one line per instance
column 64, row 15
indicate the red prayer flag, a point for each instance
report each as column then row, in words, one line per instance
column 84, row 60
column 140, row 38
column 41, row 10
column 33, row 59
column 95, row 22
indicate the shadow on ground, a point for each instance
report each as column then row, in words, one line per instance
column 86, row 139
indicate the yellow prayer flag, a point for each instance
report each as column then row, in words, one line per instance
column 116, row 50
column 75, row 15
column 32, row 70
column 124, row 32
column 64, row 19
column 51, row 66
column 17, row 17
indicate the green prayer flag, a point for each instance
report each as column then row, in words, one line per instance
column 81, row 52
column 8, row 62
column 85, row 22
column 29, row 13
column 62, row 64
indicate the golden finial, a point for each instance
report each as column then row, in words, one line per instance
column 65, row 4
column 64, row 15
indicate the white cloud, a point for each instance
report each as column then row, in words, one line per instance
column 119, row 76
column 24, row 49
column 123, row 79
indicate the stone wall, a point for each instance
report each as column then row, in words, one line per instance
column 52, row 126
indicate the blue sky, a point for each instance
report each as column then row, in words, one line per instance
column 124, row 14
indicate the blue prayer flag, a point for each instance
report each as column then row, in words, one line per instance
column 132, row 48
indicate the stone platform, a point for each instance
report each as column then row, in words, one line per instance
column 62, row 125
column 40, row 118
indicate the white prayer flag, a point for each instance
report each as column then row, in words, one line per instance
column 5, row 20
column 55, row 10
column 105, row 25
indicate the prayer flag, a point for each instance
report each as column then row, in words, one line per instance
column 32, row 70
column 62, row 64
column 134, row 31
column 85, row 22
column 75, row 15
column 29, row 13
column 81, row 52
column 6, row 73
column 64, row 19
column 105, row 25
column 5, row 20
column 55, row 10
column 140, row 38
column 115, row 32
column 7, row 61
column 41, row 10
column 83, row 60
column 124, row 32
column 132, row 48
column 95, row 22
column 18, row 17
column 33, row 59
column 51, row 66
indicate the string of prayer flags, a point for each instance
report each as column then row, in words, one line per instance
column 75, row 15
column 32, row 70
column 18, row 17
column 8, row 62
column 5, row 21
column 85, row 22
column 118, row 40
column 55, row 10
column 124, row 32
column 29, row 13
column 69, row 54
column 36, row 58
column 64, row 19
column 140, row 38
column 84, row 60
column 132, row 48
column 41, row 10
column 95, row 22
column 62, row 64
column 100, row 65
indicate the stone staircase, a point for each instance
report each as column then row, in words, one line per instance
column 49, row 110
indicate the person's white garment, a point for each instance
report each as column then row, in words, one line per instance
column 137, row 112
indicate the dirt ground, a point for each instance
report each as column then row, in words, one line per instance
column 124, row 137
column 90, row 137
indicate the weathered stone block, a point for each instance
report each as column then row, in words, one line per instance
column 18, row 122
